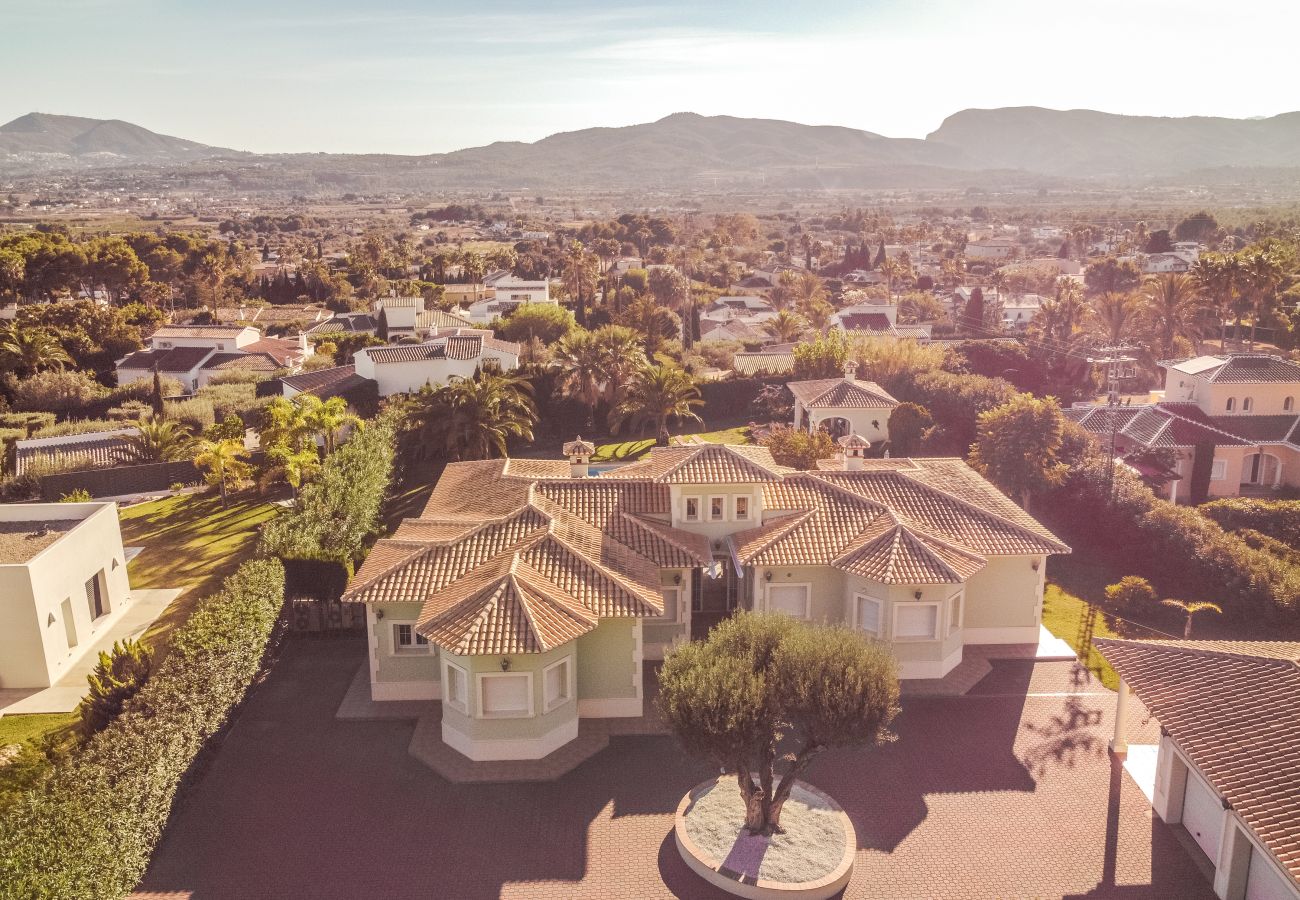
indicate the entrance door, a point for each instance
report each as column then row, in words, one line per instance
column 1203, row 815
column 713, row 598
column 1260, row 469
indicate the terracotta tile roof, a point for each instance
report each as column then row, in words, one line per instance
column 841, row 393
column 446, row 344
column 325, row 383
column 899, row 555
column 538, row 468
column 437, row 319
column 1170, row 425
column 178, row 359
column 763, row 363
column 245, row 362
column 503, row 608
column 399, row 353
column 1246, row 368
column 1258, row 429
column 199, row 331
column 704, row 464
column 872, row 322
column 1234, row 708
column 283, row 350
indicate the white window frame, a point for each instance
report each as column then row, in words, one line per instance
column 415, row 648
column 735, row 507
column 547, row 703
column 448, row 696
column 880, row 614
column 956, row 611
column 723, row 516
column 1219, row 470
column 915, row 604
column 807, row 597
column 481, row 713
column 1288, row 404
column 686, row 509
column 1247, row 404
column 677, row 606
column 1231, row 405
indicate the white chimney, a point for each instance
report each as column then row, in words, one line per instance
column 855, row 448
column 579, row 453
column 850, row 369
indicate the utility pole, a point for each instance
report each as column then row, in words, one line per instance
column 1112, row 358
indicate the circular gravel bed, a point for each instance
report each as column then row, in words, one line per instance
column 812, row 847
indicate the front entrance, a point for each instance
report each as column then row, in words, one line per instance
column 1260, row 470
column 713, row 599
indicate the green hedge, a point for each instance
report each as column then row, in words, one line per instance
column 1183, row 552
column 1278, row 519
column 92, row 828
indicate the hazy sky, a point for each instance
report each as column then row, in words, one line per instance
column 403, row 76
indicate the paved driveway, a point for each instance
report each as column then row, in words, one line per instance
column 1007, row 792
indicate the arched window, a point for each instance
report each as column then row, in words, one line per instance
column 1288, row 404
column 1247, row 404
column 1232, row 403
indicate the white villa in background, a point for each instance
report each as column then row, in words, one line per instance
column 843, row 406
column 63, row 584
column 447, row 354
column 1243, row 408
column 511, row 293
column 530, row 593
column 195, row 354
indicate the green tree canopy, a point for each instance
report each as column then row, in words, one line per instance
column 1017, row 446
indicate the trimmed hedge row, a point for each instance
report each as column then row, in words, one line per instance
column 92, row 827
column 1185, row 553
column 1278, row 519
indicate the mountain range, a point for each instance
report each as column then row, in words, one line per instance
column 686, row 150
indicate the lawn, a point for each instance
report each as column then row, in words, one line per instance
column 622, row 451
column 189, row 542
column 20, row 729
column 1062, row 614
column 738, row 435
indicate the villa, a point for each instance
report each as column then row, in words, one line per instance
column 447, row 354
column 843, row 406
column 530, row 592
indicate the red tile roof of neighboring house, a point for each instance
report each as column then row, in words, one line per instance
column 1245, row 368
column 246, row 362
column 326, row 383
column 178, row 360
column 841, row 393
column 283, row 351
column 1234, row 708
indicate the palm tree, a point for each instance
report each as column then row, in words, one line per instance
column 581, row 361
column 157, row 440
column 623, row 357
column 225, row 462
column 657, row 394
column 1111, row 315
column 818, row 315
column 1190, row 608
column 1263, row 273
column 785, row 327
column 297, row 465
column 1170, row 309
column 27, row 350
column 653, row 321
column 1220, row 278
column 326, row 418
column 475, row 417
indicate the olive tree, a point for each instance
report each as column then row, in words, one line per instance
column 765, row 693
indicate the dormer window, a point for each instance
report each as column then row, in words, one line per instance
column 1248, row 404
column 692, row 512
column 1232, row 404
column 1288, row 404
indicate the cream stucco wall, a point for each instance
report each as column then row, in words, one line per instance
column 34, row 639
column 872, row 424
column 1004, row 601
column 397, row 675
column 728, row 524
column 408, row 377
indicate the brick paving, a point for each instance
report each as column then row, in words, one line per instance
column 1006, row 792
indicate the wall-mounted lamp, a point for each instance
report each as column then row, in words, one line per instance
column 677, row 579
column 379, row 614
column 1034, row 565
column 916, row 594
column 505, row 664
column 767, row 576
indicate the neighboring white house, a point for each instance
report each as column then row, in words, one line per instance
column 991, row 249
column 395, row 316
column 843, row 406
column 1018, row 312
column 63, row 584
column 195, row 354
column 1227, row 768
column 455, row 352
column 511, row 293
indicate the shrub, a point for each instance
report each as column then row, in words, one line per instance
column 18, row 488
column 59, row 392
column 79, row 495
column 1278, row 519
column 548, row 322
column 91, row 827
column 28, row 421
column 908, row 426
column 228, row 399
column 774, row 403
column 131, row 411
column 1131, row 594
column 797, row 448
column 955, row 403
column 142, row 390
column 198, row 413
column 117, row 678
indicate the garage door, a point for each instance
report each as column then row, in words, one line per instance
column 1264, row 881
column 1203, row 815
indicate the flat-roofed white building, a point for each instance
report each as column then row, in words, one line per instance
column 63, row 585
